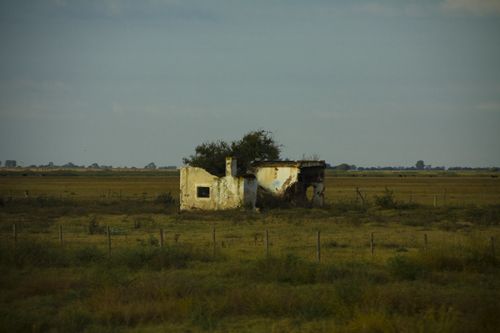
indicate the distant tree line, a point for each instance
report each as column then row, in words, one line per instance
column 71, row 165
column 420, row 165
column 252, row 139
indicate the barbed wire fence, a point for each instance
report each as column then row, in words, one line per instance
column 313, row 245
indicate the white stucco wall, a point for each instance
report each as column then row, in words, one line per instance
column 225, row 192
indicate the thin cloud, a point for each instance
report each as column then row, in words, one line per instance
column 476, row 7
column 393, row 9
column 489, row 106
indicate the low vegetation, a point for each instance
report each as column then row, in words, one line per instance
column 433, row 268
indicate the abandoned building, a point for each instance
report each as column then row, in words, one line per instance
column 297, row 182
column 200, row 189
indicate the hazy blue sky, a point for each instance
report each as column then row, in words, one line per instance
column 365, row 82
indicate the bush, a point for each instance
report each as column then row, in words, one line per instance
column 166, row 199
column 386, row 200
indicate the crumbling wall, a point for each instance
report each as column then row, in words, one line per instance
column 190, row 179
column 290, row 183
column 224, row 193
column 277, row 179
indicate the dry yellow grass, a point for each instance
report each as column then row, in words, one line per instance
column 455, row 190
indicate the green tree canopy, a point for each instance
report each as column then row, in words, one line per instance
column 252, row 146
column 420, row 165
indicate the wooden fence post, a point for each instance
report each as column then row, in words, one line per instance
column 61, row 234
column 435, row 200
column 318, row 246
column 425, row 242
column 492, row 239
column 14, row 234
column 358, row 192
column 372, row 244
column 267, row 243
column 109, row 240
column 161, row 237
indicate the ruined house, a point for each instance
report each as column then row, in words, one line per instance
column 200, row 189
column 298, row 182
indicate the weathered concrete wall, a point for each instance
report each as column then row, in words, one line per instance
column 190, row 179
column 291, row 181
column 277, row 179
column 225, row 192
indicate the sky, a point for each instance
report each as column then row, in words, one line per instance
column 125, row 82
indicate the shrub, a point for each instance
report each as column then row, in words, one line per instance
column 386, row 200
column 166, row 199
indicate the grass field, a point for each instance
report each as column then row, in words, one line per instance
column 451, row 283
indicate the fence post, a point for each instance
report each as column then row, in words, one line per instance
column 161, row 237
column 492, row 239
column 109, row 240
column 318, row 246
column 372, row 244
column 425, row 242
column 213, row 241
column 358, row 192
column 14, row 234
column 435, row 200
column 267, row 243
column 61, row 234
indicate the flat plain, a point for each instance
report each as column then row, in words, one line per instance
column 398, row 252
